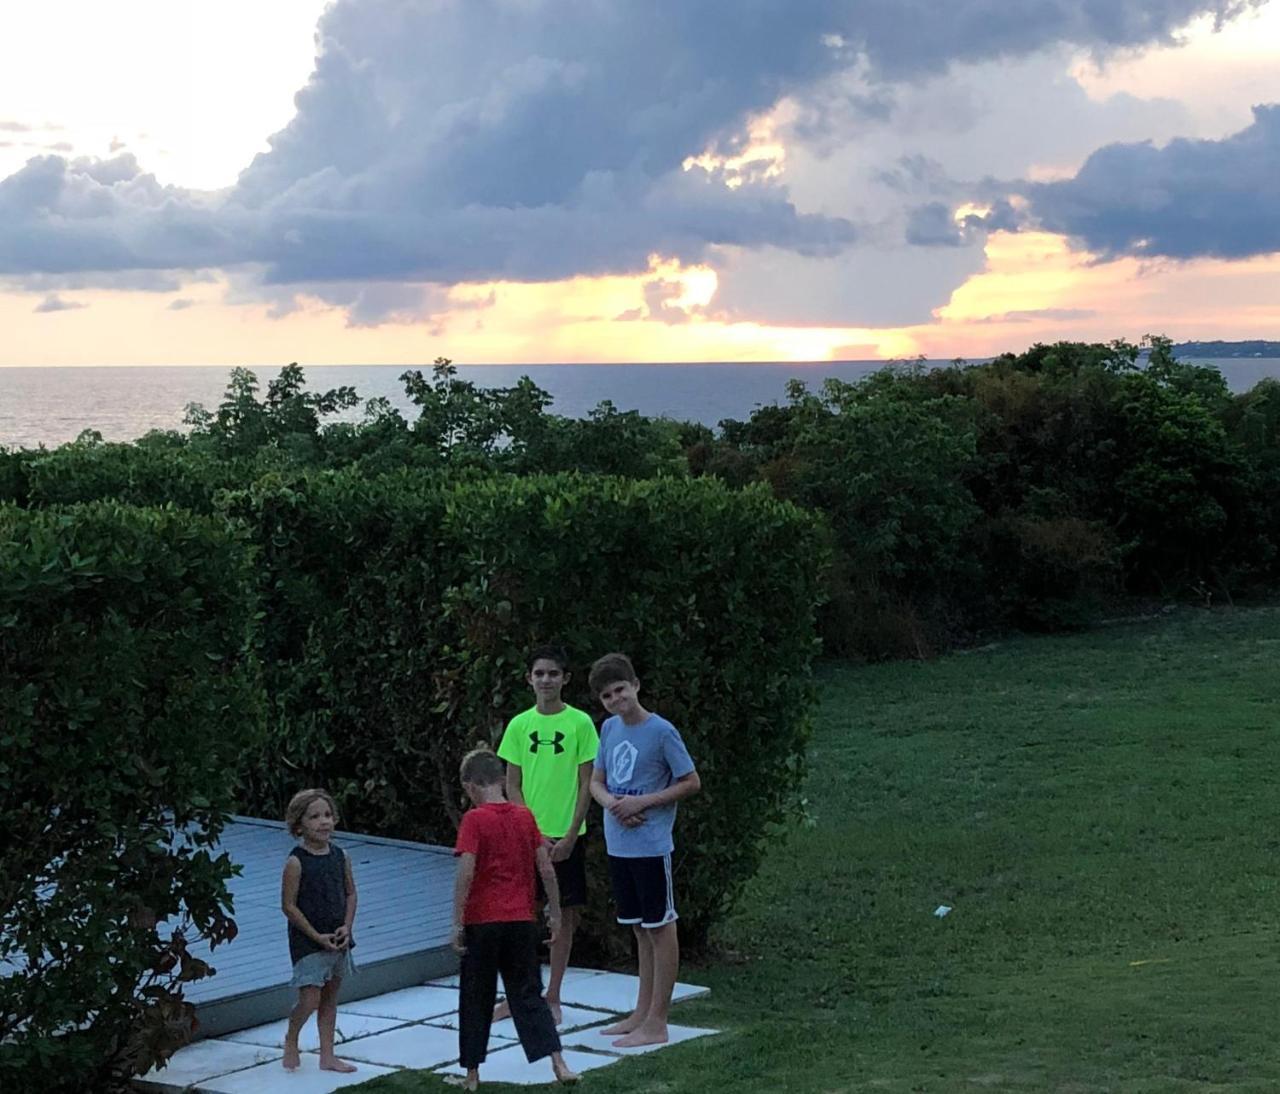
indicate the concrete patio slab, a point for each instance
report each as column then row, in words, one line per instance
column 350, row 1026
column 592, row 1039
column 573, row 1018
column 616, row 991
column 408, row 1004
column 571, row 973
column 418, row 1046
column 308, row 1079
column 207, row 1059
column 411, row 1028
column 509, row 1066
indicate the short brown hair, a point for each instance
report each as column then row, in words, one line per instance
column 609, row 669
column 481, row 767
column 300, row 803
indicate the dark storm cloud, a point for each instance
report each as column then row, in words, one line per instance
column 445, row 141
column 1189, row 199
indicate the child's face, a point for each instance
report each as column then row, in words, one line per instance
column 620, row 697
column 547, row 679
column 317, row 822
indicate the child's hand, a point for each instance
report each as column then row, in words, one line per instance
column 329, row 941
column 623, row 808
column 562, row 848
column 342, row 937
column 456, row 939
column 633, row 822
column 553, row 928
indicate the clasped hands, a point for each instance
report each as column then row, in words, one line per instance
column 629, row 812
column 337, row 940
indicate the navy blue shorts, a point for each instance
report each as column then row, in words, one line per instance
column 643, row 890
column 571, row 877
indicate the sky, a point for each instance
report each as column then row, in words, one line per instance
column 527, row 181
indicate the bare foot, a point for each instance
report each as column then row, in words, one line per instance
column 332, row 1063
column 292, row 1058
column 557, row 1015
column 502, row 1010
column 643, row 1035
column 625, row 1025
column 564, row 1076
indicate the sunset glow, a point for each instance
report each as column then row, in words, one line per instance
column 169, row 243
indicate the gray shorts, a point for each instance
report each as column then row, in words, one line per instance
column 317, row 969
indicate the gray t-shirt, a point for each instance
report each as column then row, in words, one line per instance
column 641, row 759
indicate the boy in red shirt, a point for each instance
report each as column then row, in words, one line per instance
column 494, row 930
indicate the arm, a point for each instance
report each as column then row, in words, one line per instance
column 289, row 904
column 552, row 888
column 461, row 890
column 515, row 784
column 683, row 787
column 600, row 791
column 342, row 936
column 563, row 847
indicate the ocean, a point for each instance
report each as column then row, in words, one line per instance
column 49, row 406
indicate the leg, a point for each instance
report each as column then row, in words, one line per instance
column 521, row 977
column 308, row 1003
column 560, row 950
column 644, row 961
column 571, row 876
column 479, row 985
column 665, row 947
column 327, row 1020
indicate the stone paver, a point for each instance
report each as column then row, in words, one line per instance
column 350, row 1026
column 413, row 1028
column 407, row 1004
column 308, row 1079
column 572, row 1018
column 419, row 1046
column 592, row 1039
column 206, row 1059
column 509, row 1066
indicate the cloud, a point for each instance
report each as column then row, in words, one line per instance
column 1189, row 199
column 440, row 142
column 934, row 225
column 14, row 127
column 53, row 302
column 1032, row 315
column 181, row 304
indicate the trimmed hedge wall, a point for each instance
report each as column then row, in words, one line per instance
column 128, row 694
column 398, row 612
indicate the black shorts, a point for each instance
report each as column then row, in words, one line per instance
column 571, row 878
column 642, row 890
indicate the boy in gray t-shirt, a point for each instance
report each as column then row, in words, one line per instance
column 640, row 772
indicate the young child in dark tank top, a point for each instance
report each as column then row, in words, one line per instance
column 318, row 897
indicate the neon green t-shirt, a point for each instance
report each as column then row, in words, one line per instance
column 548, row 749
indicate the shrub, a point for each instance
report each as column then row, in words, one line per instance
column 127, row 693
column 399, row 611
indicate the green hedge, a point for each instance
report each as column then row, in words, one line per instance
column 127, row 695
column 398, row 611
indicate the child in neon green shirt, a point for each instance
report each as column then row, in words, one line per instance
column 550, row 750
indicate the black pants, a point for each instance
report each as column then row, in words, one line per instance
column 510, row 949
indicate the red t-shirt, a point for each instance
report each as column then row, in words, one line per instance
column 505, row 840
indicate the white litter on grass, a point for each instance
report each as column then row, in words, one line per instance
column 941, row 910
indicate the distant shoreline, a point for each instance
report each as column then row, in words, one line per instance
column 1256, row 348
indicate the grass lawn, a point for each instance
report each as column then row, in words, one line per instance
column 1101, row 812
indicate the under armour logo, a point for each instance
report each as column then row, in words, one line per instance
column 554, row 741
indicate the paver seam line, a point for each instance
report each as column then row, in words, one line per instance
column 195, row 1086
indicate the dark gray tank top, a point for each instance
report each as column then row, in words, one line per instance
column 322, row 898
